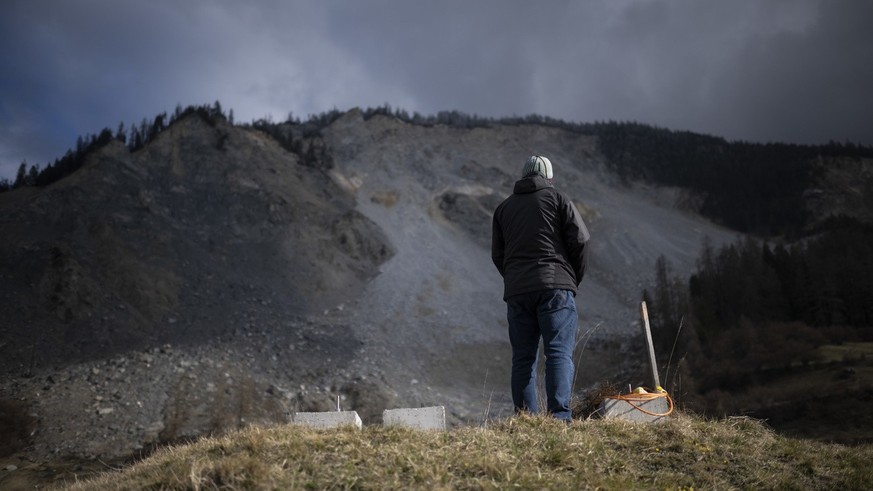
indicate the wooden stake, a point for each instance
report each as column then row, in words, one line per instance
column 647, row 332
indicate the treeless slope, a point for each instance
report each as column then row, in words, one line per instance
column 437, row 304
column 172, row 242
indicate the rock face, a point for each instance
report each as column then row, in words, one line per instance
column 212, row 279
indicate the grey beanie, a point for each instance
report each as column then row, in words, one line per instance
column 537, row 164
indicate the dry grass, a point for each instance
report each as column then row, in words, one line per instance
column 524, row 452
column 846, row 352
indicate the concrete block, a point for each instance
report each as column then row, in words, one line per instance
column 617, row 408
column 332, row 419
column 423, row 418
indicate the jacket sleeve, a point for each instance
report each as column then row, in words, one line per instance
column 576, row 238
column 497, row 244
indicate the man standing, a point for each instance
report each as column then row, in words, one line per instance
column 538, row 244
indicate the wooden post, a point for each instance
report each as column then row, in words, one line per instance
column 647, row 332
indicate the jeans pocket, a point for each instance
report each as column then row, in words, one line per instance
column 560, row 300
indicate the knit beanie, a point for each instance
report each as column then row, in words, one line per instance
column 540, row 165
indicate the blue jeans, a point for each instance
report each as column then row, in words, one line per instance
column 550, row 314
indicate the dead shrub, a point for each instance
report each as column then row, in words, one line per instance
column 588, row 404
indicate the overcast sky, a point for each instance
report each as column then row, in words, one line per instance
column 760, row 70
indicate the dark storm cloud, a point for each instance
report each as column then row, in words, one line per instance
column 776, row 70
column 805, row 85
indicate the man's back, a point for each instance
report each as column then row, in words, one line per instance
column 538, row 239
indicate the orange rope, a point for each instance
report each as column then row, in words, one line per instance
column 642, row 398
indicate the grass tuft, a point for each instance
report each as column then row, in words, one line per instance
column 526, row 452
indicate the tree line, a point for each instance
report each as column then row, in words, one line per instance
column 135, row 137
column 752, row 306
column 750, row 187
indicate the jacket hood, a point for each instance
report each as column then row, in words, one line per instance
column 531, row 184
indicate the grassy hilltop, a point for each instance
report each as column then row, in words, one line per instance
column 526, row 453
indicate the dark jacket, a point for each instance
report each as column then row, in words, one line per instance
column 538, row 239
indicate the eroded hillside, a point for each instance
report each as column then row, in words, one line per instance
column 210, row 279
column 168, row 243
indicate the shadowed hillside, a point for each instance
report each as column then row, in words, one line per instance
column 172, row 243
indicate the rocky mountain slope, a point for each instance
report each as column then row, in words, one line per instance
column 210, row 279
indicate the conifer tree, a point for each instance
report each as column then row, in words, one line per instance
column 20, row 176
column 32, row 175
